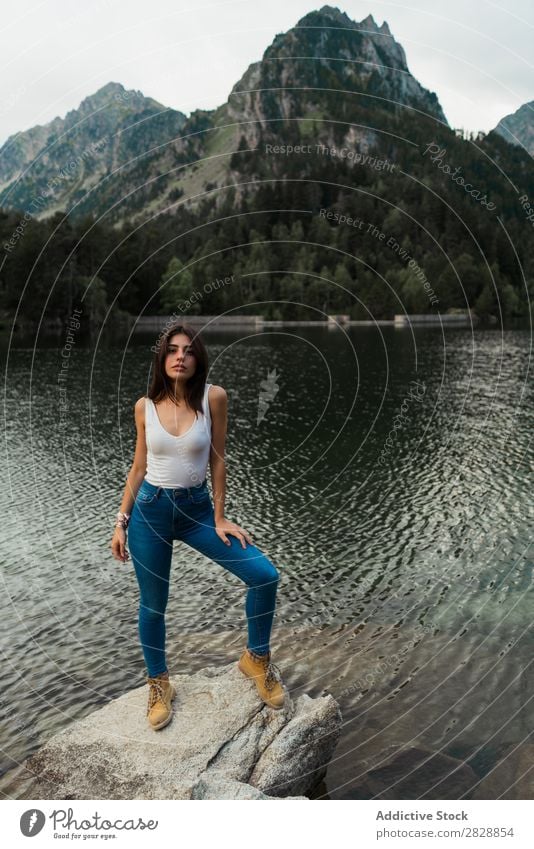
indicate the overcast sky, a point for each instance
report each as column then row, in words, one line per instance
column 475, row 54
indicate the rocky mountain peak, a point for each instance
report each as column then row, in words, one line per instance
column 321, row 17
column 518, row 128
column 114, row 95
column 327, row 50
column 333, row 16
column 330, row 35
column 369, row 23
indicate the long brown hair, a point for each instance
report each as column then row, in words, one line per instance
column 161, row 385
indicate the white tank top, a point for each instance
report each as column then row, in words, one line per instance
column 177, row 461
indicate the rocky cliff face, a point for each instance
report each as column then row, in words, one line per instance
column 327, row 52
column 518, row 128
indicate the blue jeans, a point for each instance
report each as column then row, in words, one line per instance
column 161, row 515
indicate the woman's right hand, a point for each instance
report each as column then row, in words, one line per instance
column 118, row 545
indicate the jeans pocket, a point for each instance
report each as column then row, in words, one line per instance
column 144, row 496
column 202, row 497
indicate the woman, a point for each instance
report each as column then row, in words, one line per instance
column 180, row 426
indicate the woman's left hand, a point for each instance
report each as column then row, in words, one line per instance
column 225, row 526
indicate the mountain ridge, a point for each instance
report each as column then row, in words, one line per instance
column 329, row 127
column 104, row 131
column 171, row 156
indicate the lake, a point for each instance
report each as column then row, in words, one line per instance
column 388, row 477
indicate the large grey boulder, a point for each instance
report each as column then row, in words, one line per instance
column 213, row 786
column 223, row 742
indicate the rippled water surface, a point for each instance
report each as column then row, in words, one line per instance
column 389, row 480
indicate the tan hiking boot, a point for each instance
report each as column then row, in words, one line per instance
column 160, row 696
column 266, row 677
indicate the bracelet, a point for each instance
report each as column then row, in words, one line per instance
column 123, row 520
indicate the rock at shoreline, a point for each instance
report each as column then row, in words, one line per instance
column 223, row 742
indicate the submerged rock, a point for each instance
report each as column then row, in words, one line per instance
column 223, row 742
column 511, row 777
column 414, row 772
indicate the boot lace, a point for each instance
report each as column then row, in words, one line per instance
column 272, row 675
column 156, row 693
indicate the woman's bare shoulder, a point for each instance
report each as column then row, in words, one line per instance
column 216, row 393
column 217, row 400
column 139, row 409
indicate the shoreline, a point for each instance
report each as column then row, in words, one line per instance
column 150, row 324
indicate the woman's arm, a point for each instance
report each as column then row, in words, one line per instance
column 218, row 402
column 133, row 481
column 138, row 468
